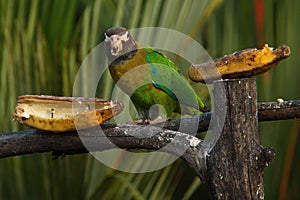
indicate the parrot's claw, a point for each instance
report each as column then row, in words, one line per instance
column 147, row 122
column 157, row 120
column 143, row 122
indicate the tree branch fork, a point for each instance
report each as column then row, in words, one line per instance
column 229, row 155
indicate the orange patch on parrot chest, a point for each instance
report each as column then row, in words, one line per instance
column 149, row 87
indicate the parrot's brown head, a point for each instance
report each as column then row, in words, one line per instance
column 118, row 42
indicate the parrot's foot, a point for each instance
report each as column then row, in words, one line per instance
column 147, row 121
column 143, row 121
column 157, row 120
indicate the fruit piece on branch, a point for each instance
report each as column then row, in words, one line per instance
column 241, row 64
column 58, row 114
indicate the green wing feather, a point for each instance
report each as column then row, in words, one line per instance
column 166, row 77
column 153, row 56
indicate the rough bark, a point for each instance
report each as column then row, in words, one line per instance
column 235, row 164
column 68, row 143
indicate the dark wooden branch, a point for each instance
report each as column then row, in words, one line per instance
column 270, row 111
column 154, row 138
column 12, row 144
column 267, row 111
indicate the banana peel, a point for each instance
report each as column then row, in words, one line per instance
column 59, row 114
column 241, row 64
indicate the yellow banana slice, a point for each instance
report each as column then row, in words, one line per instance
column 245, row 63
column 58, row 114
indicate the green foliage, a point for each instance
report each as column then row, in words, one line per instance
column 43, row 43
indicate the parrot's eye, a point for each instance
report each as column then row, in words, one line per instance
column 107, row 39
column 127, row 35
column 124, row 37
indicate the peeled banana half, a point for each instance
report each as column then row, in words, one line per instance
column 244, row 63
column 59, row 114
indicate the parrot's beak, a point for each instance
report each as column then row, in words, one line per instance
column 115, row 42
column 115, row 47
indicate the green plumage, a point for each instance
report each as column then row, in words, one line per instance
column 150, row 78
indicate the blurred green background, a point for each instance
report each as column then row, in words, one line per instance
column 43, row 43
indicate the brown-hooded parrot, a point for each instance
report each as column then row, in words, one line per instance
column 148, row 76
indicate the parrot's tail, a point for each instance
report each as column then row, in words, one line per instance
column 202, row 106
